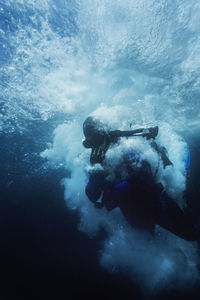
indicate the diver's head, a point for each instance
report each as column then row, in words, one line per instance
column 94, row 133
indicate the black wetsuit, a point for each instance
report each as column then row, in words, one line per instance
column 143, row 202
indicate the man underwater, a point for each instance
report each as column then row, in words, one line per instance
column 143, row 202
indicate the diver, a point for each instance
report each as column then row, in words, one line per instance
column 99, row 139
column 143, row 202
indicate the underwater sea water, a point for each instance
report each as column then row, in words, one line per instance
column 61, row 60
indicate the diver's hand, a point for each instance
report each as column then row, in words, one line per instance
column 98, row 154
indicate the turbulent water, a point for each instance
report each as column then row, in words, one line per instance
column 127, row 62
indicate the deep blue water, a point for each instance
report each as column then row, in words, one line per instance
column 60, row 60
column 42, row 253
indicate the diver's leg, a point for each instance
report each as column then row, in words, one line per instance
column 137, row 213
